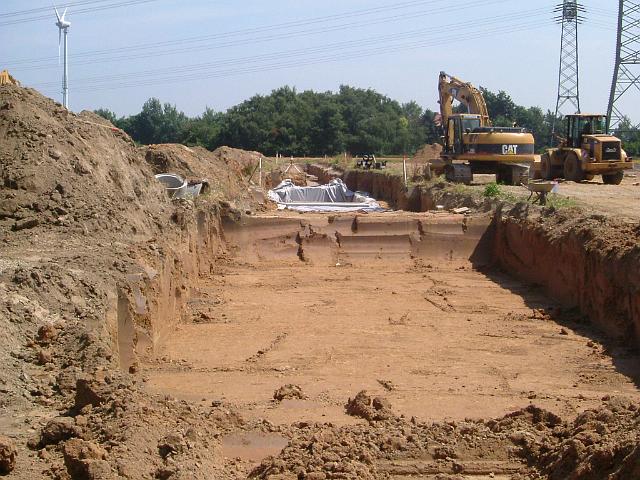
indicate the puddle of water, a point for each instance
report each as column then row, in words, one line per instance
column 252, row 446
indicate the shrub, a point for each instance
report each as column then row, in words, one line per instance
column 492, row 190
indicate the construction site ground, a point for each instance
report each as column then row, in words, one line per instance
column 620, row 201
column 217, row 337
column 439, row 339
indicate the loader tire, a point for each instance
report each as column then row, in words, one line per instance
column 573, row 168
column 613, row 178
column 546, row 169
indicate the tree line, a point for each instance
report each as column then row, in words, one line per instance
column 312, row 123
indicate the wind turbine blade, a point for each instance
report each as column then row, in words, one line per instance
column 64, row 13
column 59, row 42
column 57, row 13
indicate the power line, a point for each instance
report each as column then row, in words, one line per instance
column 117, row 54
column 254, row 30
column 20, row 13
column 125, row 3
column 531, row 15
column 497, row 30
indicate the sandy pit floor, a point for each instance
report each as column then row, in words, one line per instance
column 440, row 339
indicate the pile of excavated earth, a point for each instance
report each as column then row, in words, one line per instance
column 99, row 267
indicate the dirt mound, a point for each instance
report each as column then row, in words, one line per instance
column 196, row 163
column 372, row 409
column 600, row 443
column 82, row 220
column 369, row 451
column 427, row 153
column 529, row 443
column 225, row 169
column 66, row 170
column 246, row 159
column 289, row 392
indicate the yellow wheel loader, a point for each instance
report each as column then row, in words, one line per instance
column 473, row 145
column 586, row 151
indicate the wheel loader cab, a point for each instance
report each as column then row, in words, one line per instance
column 580, row 125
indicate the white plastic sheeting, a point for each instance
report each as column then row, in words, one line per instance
column 332, row 197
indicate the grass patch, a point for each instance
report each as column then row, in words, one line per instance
column 558, row 202
column 340, row 161
column 461, row 188
column 513, row 198
column 492, row 190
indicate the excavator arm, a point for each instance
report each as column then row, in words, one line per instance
column 452, row 88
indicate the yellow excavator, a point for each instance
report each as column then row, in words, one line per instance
column 473, row 145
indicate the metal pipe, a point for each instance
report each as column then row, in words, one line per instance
column 404, row 169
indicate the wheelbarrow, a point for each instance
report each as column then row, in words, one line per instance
column 541, row 190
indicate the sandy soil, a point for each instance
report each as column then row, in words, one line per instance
column 437, row 338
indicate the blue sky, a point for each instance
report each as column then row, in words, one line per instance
column 217, row 53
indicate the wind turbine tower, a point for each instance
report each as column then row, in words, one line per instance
column 63, row 27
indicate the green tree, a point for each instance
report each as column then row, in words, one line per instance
column 156, row 123
column 203, row 131
column 107, row 114
column 630, row 136
column 318, row 123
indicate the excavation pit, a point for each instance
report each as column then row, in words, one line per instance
column 406, row 305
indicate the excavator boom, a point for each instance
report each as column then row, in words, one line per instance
column 452, row 88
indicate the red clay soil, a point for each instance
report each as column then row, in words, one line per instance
column 586, row 261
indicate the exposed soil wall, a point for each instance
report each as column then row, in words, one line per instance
column 378, row 184
column 569, row 260
column 152, row 302
column 578, row 262
column 391, row 189
column 583, row 261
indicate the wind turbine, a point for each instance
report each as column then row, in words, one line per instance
column 63, row 26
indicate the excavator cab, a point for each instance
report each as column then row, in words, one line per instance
column 580, row 125
column 457, row 126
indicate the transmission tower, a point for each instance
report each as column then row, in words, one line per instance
column 626, row 74
column 569, row 15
